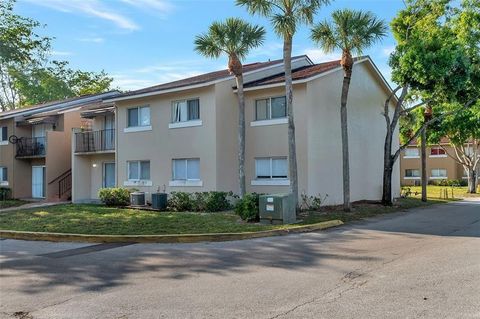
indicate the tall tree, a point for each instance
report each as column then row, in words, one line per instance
column 27, row 76
column 234, row 38
column 286, row 16
column 351, row 32
column 432, row 67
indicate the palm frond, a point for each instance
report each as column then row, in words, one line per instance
column 323, row 33
column 261, row 7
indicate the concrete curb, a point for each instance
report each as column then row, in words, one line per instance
column 187, row 238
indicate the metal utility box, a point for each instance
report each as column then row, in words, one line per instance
column 159, row 201
column 277, row 209
column 137, row 199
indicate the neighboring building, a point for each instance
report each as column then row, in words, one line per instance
column 440, row 166
column 35, row 147
column 182, row 136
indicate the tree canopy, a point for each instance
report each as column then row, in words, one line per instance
column 28, row 75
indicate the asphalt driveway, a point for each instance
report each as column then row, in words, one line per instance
column 421, row 264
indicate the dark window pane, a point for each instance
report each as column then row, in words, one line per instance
column 279, row 107
column 145, row 170
column 132, row 117
column 193, row 109
column 4, row 133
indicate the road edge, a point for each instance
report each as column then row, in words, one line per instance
column 176, row 238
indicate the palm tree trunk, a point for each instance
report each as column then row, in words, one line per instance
column 344, row 127
column 292, row 151
column 241, row 135
column 424, row 164
column 387, row 169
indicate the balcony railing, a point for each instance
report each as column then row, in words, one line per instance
column 95, row 141
column 31, row 147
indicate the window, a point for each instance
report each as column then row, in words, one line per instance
column 185, row 110
column 139, row 116
column 3, row 174
column 412, row 173
column 138, row 170
column 270, row 108
column 271, row 168
column 437, row 151
column 4, row 134
column 186, row 169
column 411, row 152
column 439, row 173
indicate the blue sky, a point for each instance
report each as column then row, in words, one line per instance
column 147, row 42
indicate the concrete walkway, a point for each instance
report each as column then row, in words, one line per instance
column 424, row 263
column 32, row 205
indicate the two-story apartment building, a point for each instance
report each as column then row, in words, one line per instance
column 35, row 147
column 440, row 166
column 182, row 135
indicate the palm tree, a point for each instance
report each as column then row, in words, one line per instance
column 234, row 38
column 286, row 16
column 350, row 31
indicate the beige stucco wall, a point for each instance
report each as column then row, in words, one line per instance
column 162, row 144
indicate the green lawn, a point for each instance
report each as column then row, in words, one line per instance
column 96, row 219
column 11, row 203
column 439, row 192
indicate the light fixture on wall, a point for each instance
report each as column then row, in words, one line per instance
column 94, row 165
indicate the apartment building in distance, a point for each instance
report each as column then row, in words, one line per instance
column 35, row 148
column 182, row 135
column 440, row 166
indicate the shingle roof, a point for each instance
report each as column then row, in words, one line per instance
column 299, row 73
column 203, row 78
column 59, row 104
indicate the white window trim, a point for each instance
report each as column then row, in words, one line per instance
column 270, row 110
column 411, row 157
column 138, row 182
column 438, row 156
column 4, row 142
column 186, row 183
column 282, row 120
column 179, row 124
column 137, row 129
column 271, row 177
column 440, row 177
column 190, row 123
column 135, row 182
column 413, row 177
column 271, row 182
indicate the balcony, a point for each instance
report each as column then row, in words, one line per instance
column 95, row 141
column 31, row 147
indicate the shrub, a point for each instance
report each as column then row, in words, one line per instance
column 114, row 196
column 200, row 201
column 5, row 193
column 180, row 202
column 312, row 202
column 247, row 207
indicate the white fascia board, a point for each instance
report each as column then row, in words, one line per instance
column 195, row 86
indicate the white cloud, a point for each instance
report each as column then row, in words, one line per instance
column 61, row 53
column 92, row 8
column 161, row 7
column 319, row 56
column 92, row 39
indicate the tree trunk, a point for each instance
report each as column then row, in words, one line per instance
column 344, row 127
column 472, row 182
column 424, row 164
column 387, row 169
column 241, row 135
column 292, row 151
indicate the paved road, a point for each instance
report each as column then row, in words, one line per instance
column 421, row 264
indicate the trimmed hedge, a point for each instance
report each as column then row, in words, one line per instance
column 200, row 201
column 248, row 207
column 114, row 196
